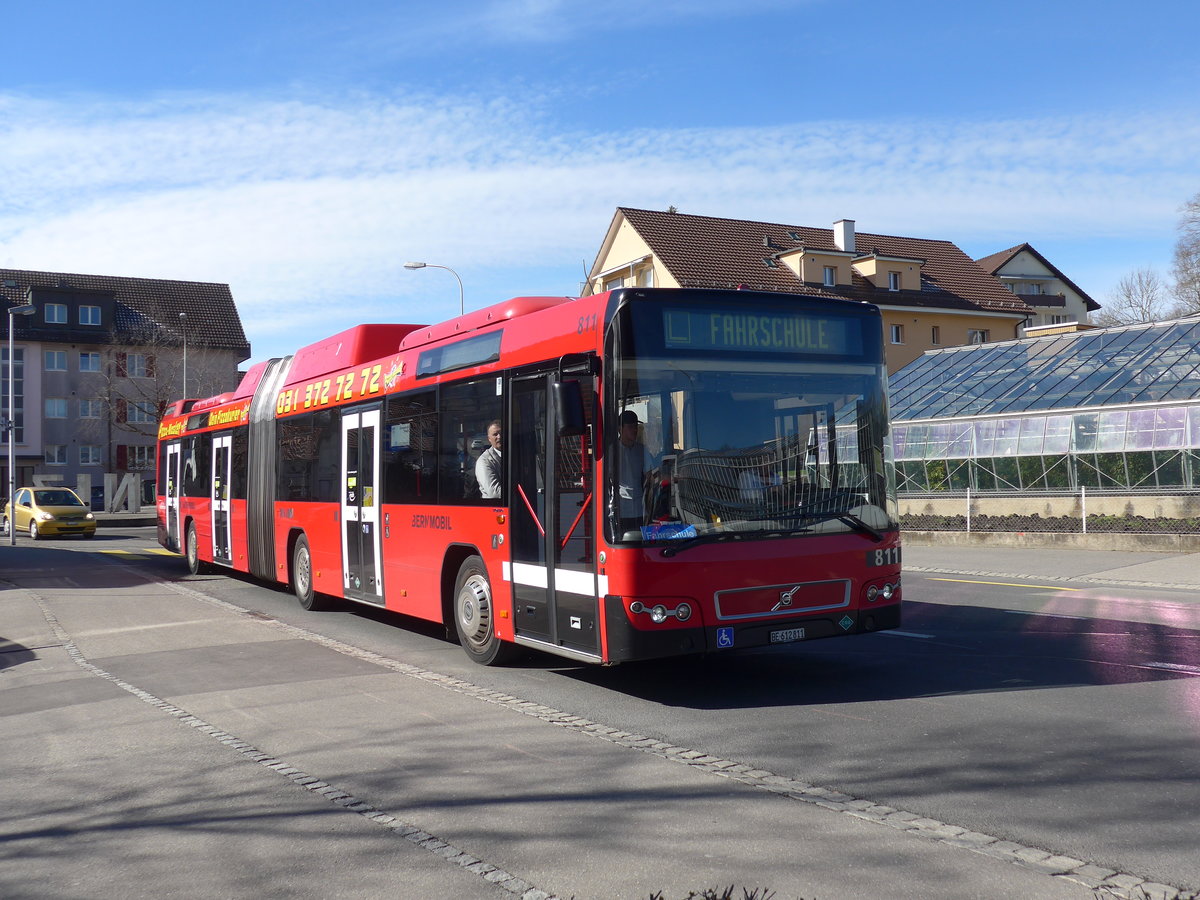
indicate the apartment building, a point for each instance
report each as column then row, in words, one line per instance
column 932, row 294
column 95, row 361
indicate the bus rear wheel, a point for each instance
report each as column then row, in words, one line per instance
column 474, row 615
column 302, row 577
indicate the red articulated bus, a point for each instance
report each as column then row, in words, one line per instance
column 637, row 474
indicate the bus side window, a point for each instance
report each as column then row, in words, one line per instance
column 410, row 445
column 467, row 408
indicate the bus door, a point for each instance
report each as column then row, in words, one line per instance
column 551, row 511
column 174, row 487
column 222, row 458
column 362, row 571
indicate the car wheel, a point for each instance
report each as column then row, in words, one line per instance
column 33, row 530
column 474, row 615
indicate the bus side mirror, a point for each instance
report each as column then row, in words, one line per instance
column 568, row 408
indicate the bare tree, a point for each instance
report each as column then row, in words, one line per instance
column 1186, row 270
column 1141, row 296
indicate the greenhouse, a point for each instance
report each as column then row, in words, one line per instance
column 1113, row 408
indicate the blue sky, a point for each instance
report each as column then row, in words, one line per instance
column 303, row 151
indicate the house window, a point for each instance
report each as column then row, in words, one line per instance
column 897, row 334
column 18, row 388
column 141, row 414
column 830, row 276
column 56, row 360
column 139, row 457
column 137, row 365
column 56, row 454
column 613, row 283
column 90, row 409
column 935, row 335
column 646, row 278
column 56, row 313
column 977, row 335
column 89, row 455
column 56, row 407
column 89, row 362
column 89, row 315
column 893, row 281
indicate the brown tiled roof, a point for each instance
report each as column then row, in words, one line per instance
column 212, row 317
column 994, row 263
column 702, row 251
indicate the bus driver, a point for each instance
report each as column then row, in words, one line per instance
column 634, row 464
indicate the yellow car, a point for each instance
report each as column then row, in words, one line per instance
column 46, row 511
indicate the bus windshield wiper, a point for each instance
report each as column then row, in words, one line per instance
column 859, row 525
column 711, row 538
column 845, row 517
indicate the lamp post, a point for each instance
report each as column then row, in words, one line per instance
column 26, row 310
column 183, row 323
column 422, row 265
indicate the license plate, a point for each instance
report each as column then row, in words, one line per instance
column 784, row 635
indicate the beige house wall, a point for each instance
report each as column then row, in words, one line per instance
column 809, row 265
column 918, row 325
column 629, row 250
column 876, row 268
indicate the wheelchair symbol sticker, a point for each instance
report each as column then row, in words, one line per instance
column 724, row 637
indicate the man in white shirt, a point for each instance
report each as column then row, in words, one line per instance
column 487, row 467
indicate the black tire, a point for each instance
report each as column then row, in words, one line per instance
column 88, row 535
column 191, row 549
column 302, row 577
column 474, row 615
column 4, row 526
column 33, row 530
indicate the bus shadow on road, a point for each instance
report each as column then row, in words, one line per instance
column 941, row 651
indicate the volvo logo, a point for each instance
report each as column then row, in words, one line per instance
column 785, row 598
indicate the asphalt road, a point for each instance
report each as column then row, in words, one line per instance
column 1056, row 714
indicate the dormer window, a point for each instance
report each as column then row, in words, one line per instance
column 893, row 281
column 56, row 314
column 89, row 315
column 830, row 276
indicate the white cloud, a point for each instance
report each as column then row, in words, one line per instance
column 309, row 208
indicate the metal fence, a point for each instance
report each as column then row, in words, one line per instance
column 1082, row 511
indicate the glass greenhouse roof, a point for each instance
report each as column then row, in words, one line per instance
column 1154, row 363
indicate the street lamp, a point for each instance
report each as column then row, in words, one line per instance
column 183, row 323
column 421, row 265
column 26, row 310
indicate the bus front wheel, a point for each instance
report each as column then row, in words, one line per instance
column 302, row 576
column 474, row 615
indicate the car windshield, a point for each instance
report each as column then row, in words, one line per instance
column 56, row 498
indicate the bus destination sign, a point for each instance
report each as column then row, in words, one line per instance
column 765, row 332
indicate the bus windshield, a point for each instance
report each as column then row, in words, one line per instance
column 743, row 436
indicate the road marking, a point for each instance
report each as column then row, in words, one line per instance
column 145, row 551
column 1042, row 587
column 1044, row 615
column 1174, row 667
column 913, row 634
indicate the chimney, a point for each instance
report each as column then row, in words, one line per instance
column 843, row 234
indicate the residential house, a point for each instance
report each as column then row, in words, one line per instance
column 1054, row 298
column 97, row 361
column 931, row 293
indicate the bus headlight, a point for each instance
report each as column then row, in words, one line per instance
column 658, row 615
column 683, row 612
